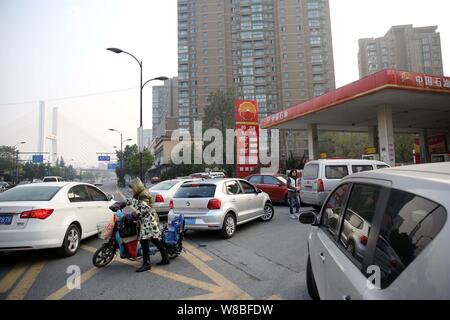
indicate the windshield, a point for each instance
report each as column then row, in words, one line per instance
column 196, row 191
column 38, row 193
column 166, row 185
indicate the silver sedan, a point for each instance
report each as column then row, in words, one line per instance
column 163, row 192
column 220, row 204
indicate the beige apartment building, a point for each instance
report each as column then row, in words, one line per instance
column 278, row 52
column 403, row 48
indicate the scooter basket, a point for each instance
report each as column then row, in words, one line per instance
column 171, row 236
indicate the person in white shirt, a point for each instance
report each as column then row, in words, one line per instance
column 293, row 196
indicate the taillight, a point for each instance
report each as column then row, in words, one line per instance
column 363, row 240
column 171, row 204
column 320, row 186
column 36, row 214
column 159, row 198
column 214, row 204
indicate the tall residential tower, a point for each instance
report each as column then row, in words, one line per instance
column 404, row 48
column 278, row 52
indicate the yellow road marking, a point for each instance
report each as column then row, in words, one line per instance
column 59, row 294
column 219, row 279
column 196, row 252
column 8, row 281
column 21, row 289
column 275, row 297
column 222, row 289
column 167, row 274
column 226, row 295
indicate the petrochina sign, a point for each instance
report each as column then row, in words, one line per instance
column 246, row 111
column 424, row 80
column 247, row 146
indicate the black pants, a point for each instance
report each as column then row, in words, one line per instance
column 146, row 248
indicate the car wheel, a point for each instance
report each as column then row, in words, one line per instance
column 229, row 226
column 269, row 212
column 71, row 241
column 311, row 282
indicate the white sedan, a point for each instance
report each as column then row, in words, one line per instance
column 51, row 215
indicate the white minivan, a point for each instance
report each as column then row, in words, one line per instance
column 321, row 176
column 382, row 234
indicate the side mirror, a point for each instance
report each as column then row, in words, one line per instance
column 110, row 197
column 258, row 191
column 308, row 217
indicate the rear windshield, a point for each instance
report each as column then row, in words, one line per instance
column 50, row 180
column 166, row 185
column 38, row 193
column 311, row 172
column 196, row 191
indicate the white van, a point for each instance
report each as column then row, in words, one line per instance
column 52, row 179
column 321, row 176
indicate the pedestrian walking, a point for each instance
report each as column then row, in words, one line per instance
column 293, row 194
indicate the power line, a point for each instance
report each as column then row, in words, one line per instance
column 69, row 97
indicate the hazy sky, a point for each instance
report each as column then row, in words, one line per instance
column 56, row 48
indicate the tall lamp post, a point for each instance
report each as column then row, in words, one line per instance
column 121, row 145
column 16, row 157
column 142, row 85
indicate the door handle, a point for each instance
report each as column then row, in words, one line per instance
column 322, row 257
column 234, row 200
column 346, row 298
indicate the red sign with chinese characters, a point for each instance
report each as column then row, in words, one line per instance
column 385, row 79
column 247, row 128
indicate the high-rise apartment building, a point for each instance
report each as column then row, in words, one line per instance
column 404, row 48
column 278, row 52
column 165, row 108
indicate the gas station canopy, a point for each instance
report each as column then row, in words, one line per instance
column 390, row 100
column 418, row 101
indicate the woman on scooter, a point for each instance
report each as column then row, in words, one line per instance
column 149, row 223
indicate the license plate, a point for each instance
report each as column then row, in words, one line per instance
column 6, row 219
column 189, row 221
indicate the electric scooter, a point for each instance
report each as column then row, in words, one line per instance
column 172, row 239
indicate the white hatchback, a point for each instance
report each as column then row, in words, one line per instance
column 51, row 215
column 382, row 234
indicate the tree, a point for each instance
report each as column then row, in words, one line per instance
column 343, row 144
column 131, row 162
column 404, row 145
column 220, row 114
column 6, row 159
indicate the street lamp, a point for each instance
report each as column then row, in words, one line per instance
column 121, row 144
column 16, row 154
column 142, row 85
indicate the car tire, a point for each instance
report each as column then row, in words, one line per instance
column 286, row 200
column 228, row 227
column 311, row 282
column 268, row 215
column 71, row 242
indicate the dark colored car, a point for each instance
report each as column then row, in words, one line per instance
column 275, row 185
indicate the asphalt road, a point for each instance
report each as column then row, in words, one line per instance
column 262, row 261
